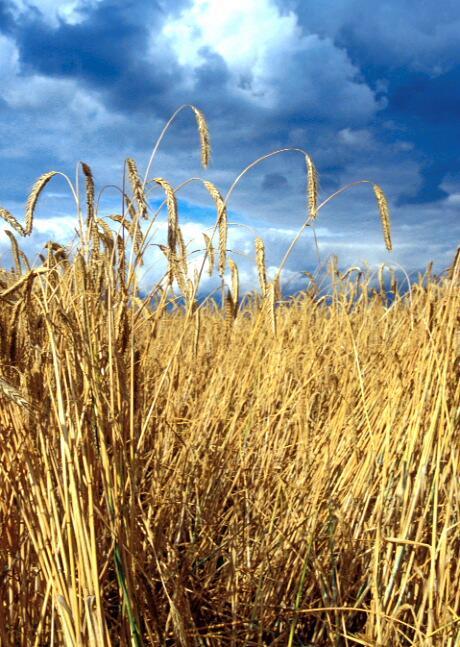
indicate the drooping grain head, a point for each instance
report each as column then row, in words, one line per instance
column 222, row 219
column 32, row 200
column 11, row 220
column 312, row 187
column 205, row 139
column 137, row 188
column 210, row 252
column 173, row 218
column 14, row 250
column 384, row 211
column 182, row 259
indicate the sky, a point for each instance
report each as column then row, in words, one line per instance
column 370, row 90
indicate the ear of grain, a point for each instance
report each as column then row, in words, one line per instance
column 173, row 218
column 32, row 200
column 235, row 283
column 205, row 139
column 138, row 239
column 136, row 186
column 229, row 307
column 454, row 270
column 10, row 393
column 107, row 235
column 134, row 231
column 222, row 223
column 312, row 187
column 177, row 271
column 90, row 193
column 381, row 280
column 11, row 220
column 90, row 190
column 182, row 250
column 210, row 252
column 260, row 261
column 269, row 304
column 80, row 273
column 105, row 227
column 15, row 251
column 384, row 211
column 277, row 288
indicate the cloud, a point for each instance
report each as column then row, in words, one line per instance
column 396, row 32
column 95, row 80
column 358, row 138
column 270, row 62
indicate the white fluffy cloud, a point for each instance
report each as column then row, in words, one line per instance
column 270, row 61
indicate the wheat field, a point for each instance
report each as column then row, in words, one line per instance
column 273, row 470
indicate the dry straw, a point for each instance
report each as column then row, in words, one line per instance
column 290, row 484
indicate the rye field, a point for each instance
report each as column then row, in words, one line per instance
column 259, row 469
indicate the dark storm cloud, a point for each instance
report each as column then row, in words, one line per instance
column 107, row 51
column 412, row 51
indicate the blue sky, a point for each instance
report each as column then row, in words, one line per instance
column 372, row 91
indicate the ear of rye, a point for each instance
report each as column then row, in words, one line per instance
column 205, row 138
column 312, row 187
column 384, row 211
